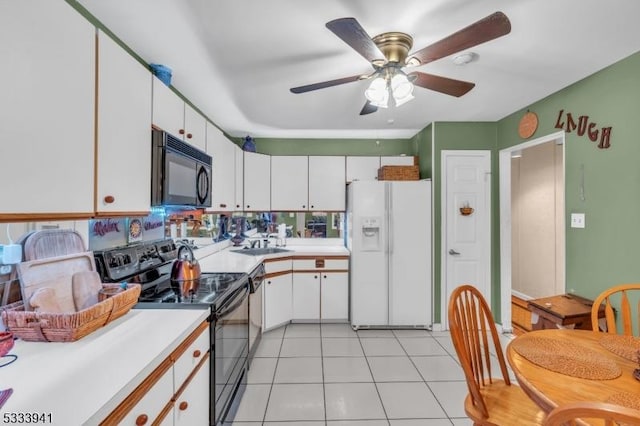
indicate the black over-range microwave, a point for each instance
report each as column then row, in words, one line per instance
column 180, row 173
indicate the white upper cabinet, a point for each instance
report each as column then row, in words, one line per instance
column 327, row 186
column 289, row 185
column 362, row 168
column 239, row 158
column 222, row 150
column 396, row 160
column 195, row 126
column 173, row 115
column 47, row 85
column 257, row 182
column 124, row 131
column 168, row 109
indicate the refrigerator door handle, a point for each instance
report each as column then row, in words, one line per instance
column 389, row 248
column 390, row 218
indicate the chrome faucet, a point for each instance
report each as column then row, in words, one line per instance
column 254, row 243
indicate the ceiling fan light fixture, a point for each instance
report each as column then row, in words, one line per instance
column 401, row 87
column 377, row 92
column 383, row 102
column 404, row 100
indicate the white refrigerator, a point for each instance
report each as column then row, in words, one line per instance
column 389, row 236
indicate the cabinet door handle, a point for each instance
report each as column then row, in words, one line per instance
column 304, row 207
column 197, row 353
column 315, row 276
column 183, row 405
column 109, row 199
column 141, row 419
column 312, row 206
column 189, row 135
column 324, row 276
column 268, row 282
column 181, row 131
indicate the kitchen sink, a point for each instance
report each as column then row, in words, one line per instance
column 261, row 251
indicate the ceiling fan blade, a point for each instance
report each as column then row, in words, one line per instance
column 445, row 85
column 325, row 84
column 489, row 28
column 368, row 108
column 350, row 31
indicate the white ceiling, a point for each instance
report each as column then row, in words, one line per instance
column 236, row 59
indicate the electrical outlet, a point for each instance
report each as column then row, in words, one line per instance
column 577, row 220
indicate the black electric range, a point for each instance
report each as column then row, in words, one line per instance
column 226, row 295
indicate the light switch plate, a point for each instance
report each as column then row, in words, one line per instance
column 577, row 220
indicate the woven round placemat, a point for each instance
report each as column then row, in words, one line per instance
column 624, row 346
column 626, row 399
column 566, row 358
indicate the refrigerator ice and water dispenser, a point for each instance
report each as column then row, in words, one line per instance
column 371, row 233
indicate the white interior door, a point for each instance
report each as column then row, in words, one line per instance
column 466, row 238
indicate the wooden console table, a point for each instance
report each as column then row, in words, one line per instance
column 562, row 310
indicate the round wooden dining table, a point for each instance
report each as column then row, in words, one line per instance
column 549, row 389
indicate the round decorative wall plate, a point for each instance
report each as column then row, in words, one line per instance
column 528, row 125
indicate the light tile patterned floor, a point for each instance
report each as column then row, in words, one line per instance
column 311, row 374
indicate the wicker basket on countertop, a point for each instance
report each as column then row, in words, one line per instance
column 69, row 326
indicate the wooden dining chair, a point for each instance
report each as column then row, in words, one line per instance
column 491, row 400
column 577, row 413
column 618, row 297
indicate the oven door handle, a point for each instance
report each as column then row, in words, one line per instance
column 226, row 308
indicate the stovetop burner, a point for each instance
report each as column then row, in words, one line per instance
column 210, row 289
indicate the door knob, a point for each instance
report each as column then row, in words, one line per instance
column 453, row 252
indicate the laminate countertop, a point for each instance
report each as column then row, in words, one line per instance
column 81, row 382
column 229, row 260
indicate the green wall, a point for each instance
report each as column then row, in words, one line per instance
column 604, row 253
column 334, row 146
column 422, row 146
column 458, row 136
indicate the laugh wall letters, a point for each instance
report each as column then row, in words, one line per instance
column 583, row 126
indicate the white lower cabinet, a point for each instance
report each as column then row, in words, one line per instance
column 192, row 405
column 177, row 392
column 320, row 295
column 151, row 404
column 306, row 289
column 334, row 296
column 277, row 300
column 306, row 296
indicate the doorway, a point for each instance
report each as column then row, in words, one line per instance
column 532, row 228
column 466, row 223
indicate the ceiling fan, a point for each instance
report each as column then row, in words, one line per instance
column 388, row 54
